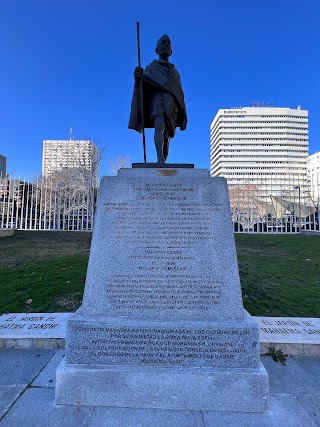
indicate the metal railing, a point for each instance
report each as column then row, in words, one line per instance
column 276, row 204
column 47, row 203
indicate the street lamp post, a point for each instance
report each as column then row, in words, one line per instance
column 297, row 187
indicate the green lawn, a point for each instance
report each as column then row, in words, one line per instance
column 48, row 268
column 280, row 274
column 45, row 272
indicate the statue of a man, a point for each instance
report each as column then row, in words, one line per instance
column 163, row 99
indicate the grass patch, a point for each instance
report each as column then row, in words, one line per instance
column 52, row 285
column 280, row 274
column 48, row 268
column 32, row 246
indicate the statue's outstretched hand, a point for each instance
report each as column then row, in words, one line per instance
column 183, row 124
column 138, row 73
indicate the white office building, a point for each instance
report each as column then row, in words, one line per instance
column 72, row 157
column 262, row 146
column 313, row 167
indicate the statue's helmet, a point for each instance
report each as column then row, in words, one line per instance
column 164, row 45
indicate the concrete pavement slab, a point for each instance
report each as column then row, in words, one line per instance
column 47, row 377
column 127, row 417
column 8, row 395
column 299, row 406
column 289, row 378
column 36, row 408
column 285, row 410
column 312, row 405
column 20, row 366
column 311, row 365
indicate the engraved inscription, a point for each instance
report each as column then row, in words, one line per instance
column 161, row 241
column 184, row 292
column 187, row 224
column 184, row 222
column 162, row 346
column 164, row 191
column 292, row 329
column 29, row 322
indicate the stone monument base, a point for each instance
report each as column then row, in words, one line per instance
column 162, row 324
column 244, row 390
column 177, row 364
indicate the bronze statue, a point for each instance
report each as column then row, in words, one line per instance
column 163, row 99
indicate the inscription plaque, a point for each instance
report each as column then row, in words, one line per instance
column 164, row 345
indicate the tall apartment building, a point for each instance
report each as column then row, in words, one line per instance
column 71, row 157
column 263, row 146
column 313, row 167
column 3, row 166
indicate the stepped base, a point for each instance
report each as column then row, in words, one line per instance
column 245, row 390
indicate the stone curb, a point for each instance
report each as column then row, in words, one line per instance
column 5, row 232
column 32, row 343
column 291, row 349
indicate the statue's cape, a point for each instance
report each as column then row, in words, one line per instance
column 163, row 76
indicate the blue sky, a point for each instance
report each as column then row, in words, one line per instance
column 71, row 62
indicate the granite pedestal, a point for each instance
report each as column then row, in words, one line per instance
column 162, row 324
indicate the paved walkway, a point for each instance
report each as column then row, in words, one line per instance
column 27, row 381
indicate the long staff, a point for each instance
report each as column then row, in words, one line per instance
column 141, row 97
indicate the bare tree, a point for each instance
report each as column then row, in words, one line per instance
column 64, row 198
column 69, row 193
column 119, row 163
column 244, row 196
column 67, row 200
